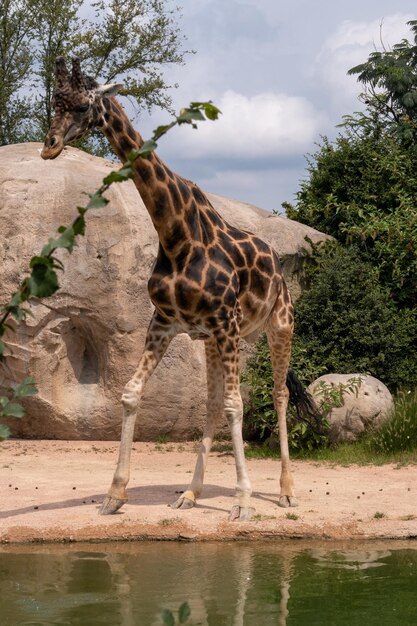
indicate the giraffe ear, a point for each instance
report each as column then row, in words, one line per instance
column 109, row 90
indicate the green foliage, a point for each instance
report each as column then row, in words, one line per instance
column 399, row 432
column 348, row 323
column 362, row 190
column 8, row 408
column 15, row 60
column 260, row 418
column 390, row 79
column 184, row 613
column 360, row 314
column 131, row 40
column 43, row 279
column 332, row 396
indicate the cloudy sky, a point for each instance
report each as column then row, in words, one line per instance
column 277, row 70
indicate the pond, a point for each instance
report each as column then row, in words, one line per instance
column 236, row 584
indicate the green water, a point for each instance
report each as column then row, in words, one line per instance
column 236, row 584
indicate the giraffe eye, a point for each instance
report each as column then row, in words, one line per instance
column 82, row 108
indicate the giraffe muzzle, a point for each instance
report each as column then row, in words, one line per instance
column 52, row 148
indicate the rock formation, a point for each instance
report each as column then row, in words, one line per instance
column 82, row 344
column 365, row 406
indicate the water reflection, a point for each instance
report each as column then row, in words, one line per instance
column 236, row 584
column 351, row 559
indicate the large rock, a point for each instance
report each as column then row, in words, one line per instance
column 366, row 404
column 83, row 344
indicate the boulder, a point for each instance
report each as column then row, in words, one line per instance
column 367, row 403
column 83, row 344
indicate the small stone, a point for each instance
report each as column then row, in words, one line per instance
column 327, row 493
column 36, row 508
column 358, row 497
column 16, row 488
column 74, row 487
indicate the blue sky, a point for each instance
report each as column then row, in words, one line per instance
column 277, row 70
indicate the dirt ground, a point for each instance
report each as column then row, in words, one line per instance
column 50, row 492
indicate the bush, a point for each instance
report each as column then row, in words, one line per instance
column 399, row 432
column 347, row 323
column 362, row 190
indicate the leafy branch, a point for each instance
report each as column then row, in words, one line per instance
column 184, row 614
column 43, row 279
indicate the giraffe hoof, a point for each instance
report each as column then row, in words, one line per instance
column 182, row 503
column 241, row 513
column 111, row 505
column 286, row 501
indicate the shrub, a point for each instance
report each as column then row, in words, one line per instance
column 399, row 432
column 347, row 323
column 362, row 191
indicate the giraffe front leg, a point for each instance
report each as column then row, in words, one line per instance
column 158, row 339
column 117, row 495
column 214, row 410
column 242, row 510
column 228, row 343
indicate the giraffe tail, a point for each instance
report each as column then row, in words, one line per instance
column 305, row 406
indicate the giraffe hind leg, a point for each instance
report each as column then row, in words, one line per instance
column 279, row 330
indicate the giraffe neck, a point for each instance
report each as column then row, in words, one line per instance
column 164, row 194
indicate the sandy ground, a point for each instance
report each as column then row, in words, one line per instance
column 51, row 490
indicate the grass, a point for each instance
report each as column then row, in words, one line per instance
column 292, row 516
column 261, row 518
column 359, row 453
column 395, row 442
column 169, row 521
column 399, row 433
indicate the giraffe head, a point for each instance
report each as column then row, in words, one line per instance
column 77, row 102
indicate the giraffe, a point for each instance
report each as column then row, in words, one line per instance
column 210, row 280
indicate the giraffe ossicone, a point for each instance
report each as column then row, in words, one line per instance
column 210, row 280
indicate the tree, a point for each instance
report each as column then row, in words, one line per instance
column 360, row 313
column 15, row 62
column 362, row 188
column 390, row 81
column 347, row 322
column 126, row 40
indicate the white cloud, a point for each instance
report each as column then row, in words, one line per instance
column 263, row 126
column 349, row 45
